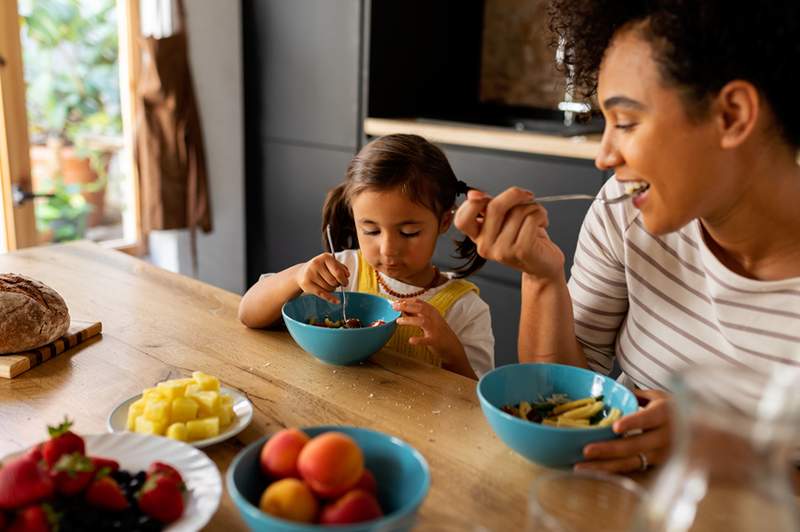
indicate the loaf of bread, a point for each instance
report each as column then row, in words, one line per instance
column 31, row 314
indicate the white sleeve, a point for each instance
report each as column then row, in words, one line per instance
column 470, row 319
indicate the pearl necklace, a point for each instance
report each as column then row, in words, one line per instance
column 412, row 294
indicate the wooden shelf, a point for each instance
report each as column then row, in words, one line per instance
column 581, row 147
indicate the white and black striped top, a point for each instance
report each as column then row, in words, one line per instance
column 661, row 303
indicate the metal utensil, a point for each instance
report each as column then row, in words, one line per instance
column 344, row 298
column 607, row 201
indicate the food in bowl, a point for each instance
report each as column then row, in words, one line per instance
column 559, row 411
column 333, row 486
column 351, row 323
column 187, row 409
column 57, row 486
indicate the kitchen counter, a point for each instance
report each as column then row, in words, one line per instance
column 477, row 136
column 159, row 325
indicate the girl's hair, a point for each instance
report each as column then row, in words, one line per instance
column 410, row 164
column 699, row 46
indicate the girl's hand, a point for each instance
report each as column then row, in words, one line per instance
column 321, row 276
column 436, row 334
column 623, row 455
column 511, row 229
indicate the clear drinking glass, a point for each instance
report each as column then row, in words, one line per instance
column 734, row 432
column 582, row 501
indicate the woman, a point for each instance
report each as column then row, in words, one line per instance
column 702, row 267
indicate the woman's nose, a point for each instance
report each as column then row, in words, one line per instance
column 608, row 157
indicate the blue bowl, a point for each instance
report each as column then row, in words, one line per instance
column 400, row 471
column 340, row 346
column 548, row 446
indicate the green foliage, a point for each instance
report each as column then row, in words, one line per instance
column 64, row 213
column 70, row 56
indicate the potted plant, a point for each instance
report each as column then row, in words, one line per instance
column 70, row 57
column 62, row 216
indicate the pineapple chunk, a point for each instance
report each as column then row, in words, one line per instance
column 208, row 403
column 206, row 382
column 178, row 431
column 146, row 426
column 151, row 393
column 172, row 389
column 200, row 429
column 135, row 410
column 183, row 409
column 157, row 410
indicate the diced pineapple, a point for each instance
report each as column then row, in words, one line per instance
column 178, row 431
column 206, row 382
column 173, row 388
column 183, row 409
column 192, row 388
column 146, row 426
column 200, row 429
column 151, row 393
column 135, row 410
column 208, row 403
column 157, row 410
column 226, row 415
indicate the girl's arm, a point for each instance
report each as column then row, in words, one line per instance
column 261, row 305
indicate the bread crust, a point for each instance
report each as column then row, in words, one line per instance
column 31, row 314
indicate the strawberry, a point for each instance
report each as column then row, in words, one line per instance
column 62, row 441
column 166, row 470
column 40, row 518
column 104, row 492
column 101, row 463
column 23, row 481
column 72, row 473
column 161, row 498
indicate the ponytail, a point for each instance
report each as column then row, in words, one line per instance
column 337, row 213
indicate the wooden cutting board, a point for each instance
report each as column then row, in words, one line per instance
column 79, row 331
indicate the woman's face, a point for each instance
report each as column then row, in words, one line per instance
column 396, row 235
column 649, row 137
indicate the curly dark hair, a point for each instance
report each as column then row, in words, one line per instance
column 699, row 46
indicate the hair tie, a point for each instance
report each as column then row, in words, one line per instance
column 461, row 187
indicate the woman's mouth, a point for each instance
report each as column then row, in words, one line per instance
column 638, row 191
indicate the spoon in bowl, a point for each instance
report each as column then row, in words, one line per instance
column 344, row 298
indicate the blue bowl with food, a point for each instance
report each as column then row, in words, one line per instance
column 542, row 431
column 312, row 322
column 401, row 476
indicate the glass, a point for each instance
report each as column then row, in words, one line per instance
column 730, row 467
column 582, row 501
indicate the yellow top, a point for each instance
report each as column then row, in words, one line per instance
column 441, row 301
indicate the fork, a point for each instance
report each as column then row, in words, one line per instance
column 344, row 298
column 565, row 197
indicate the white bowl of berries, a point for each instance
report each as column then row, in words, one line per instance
column 122, row 481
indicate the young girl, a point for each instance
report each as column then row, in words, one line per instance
column 397, row 198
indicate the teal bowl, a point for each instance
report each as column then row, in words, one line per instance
column 400, row 471
column 555, row 447
column 340, row 346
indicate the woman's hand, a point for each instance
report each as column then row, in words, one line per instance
column 436, row 334
column 321, row 276
column 511, row 229
column 623, row 455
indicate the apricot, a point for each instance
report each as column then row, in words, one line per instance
column 279, row 454
column 331, row 464
column 354, row 506
column 291, row 499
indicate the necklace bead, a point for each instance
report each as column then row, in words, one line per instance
column 398, row 295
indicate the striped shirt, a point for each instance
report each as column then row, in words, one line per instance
column 662, row 303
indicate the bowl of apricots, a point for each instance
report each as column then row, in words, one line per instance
column 349, row 479
column 196, row 410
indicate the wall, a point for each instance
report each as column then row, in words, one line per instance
column 215, row 42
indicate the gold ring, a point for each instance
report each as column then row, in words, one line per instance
column 644, row 463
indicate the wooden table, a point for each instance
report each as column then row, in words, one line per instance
column 159, row 325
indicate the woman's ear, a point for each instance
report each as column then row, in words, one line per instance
column 446, row 221
column 738, row 106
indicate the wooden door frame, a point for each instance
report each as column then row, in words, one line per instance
column 19, row 222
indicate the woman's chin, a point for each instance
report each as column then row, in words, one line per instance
column 661, row 225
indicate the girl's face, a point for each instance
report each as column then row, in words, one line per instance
column 396, row 235
column 649, row 137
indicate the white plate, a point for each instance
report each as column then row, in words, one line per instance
column 242, row 407
column 135, row 452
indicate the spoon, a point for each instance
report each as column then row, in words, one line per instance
column 629, row 192
column 344, row 298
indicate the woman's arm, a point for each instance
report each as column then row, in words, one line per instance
column 261, row 305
